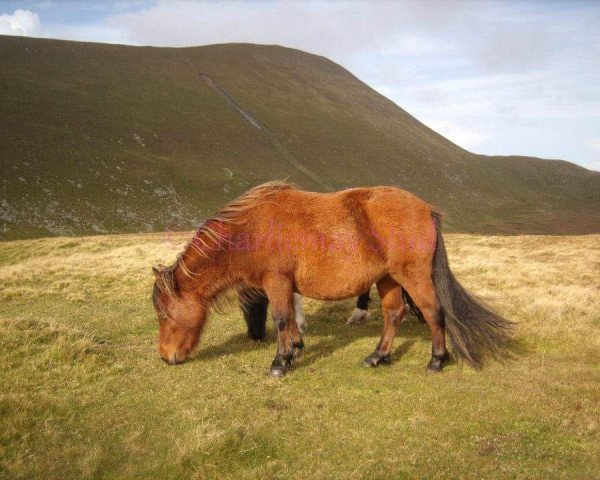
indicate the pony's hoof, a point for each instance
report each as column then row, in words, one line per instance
column 376, row 359
column 281, row 364
column 358, row 317
column 277, row 372
column 434, row 367
column 437, row 362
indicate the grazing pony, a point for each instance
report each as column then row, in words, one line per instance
column 329, row 246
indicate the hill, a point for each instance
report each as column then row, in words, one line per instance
column 101, row 138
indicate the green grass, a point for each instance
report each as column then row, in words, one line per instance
column 83, row 393
column 107, row 138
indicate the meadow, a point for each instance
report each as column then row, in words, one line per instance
column 83, row 393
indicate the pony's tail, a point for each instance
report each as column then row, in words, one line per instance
column 473, row 328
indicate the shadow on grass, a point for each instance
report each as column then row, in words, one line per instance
column 236, row 344
column 514, row 349
column 328, row 332
column 334, row 334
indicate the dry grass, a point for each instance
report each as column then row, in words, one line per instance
column 84, row 395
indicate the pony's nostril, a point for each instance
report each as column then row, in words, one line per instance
column 170, row 360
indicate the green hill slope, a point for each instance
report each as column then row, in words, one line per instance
column 107, row 138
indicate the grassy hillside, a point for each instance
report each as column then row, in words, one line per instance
column 104, row 138
column 83, row 393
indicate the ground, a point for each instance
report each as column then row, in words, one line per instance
column 83, row 393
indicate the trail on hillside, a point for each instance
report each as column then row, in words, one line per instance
column 252, row 120
column 231, row 102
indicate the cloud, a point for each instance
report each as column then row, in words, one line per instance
column 328, row 28
column 86, row 33
column 469, row 138
column 594, row 144
column 21, row 22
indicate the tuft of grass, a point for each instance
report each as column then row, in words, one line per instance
column 83, row 393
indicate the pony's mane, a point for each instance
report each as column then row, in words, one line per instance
column 230, row 214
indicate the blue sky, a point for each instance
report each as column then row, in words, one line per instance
column 494, row 77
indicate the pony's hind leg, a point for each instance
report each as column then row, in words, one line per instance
column 299, row 313
column 289, row 341
column 254, row 305
column 412, row 308
column 361, row 312
column 418, row 283
column 393, row 313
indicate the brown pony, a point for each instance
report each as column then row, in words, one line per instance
column 330, row 246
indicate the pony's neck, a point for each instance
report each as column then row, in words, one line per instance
column 202, row 267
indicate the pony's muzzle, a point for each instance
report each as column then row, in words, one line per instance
column 171, row 360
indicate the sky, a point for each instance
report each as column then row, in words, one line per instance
column 497, row 78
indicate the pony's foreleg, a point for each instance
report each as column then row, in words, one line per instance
column 393, row 313
column 361, row 312
column 289, row 341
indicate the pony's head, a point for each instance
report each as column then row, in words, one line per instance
column 181, row 316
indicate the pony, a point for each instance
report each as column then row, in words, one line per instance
column 280, row 240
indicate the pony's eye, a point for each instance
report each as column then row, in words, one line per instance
column 162, row 314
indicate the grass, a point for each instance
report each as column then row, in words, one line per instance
column 83, row 393
column 109, row 138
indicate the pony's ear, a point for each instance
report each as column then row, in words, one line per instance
column 158, row 271
column 165, row 279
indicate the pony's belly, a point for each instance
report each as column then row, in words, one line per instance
column 317, row 294
column 337, row 285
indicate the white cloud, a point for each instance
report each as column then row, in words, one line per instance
column 468, row 138
column 21, row 22
column 86, row 33
column 594, row 144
